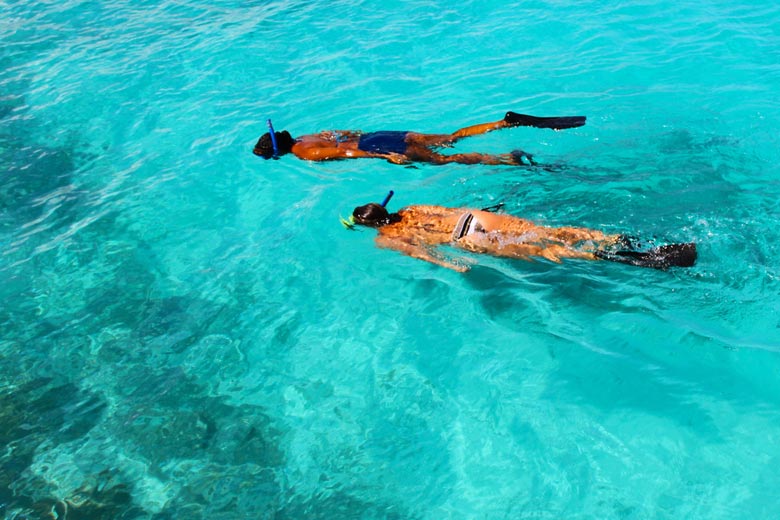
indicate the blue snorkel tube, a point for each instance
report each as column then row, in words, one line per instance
column 388, row 197
column 273, row 139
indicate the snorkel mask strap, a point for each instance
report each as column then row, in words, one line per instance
column 273, row 139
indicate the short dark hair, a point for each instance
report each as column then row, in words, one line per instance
column 374, row 215
column 265, row 147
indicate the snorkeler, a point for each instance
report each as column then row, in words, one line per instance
column 417, row 231
column 401, row 147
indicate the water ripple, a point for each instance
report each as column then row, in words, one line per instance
column 181, row 318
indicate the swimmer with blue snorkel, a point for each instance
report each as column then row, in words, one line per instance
column 402, row 147
column 418, row 231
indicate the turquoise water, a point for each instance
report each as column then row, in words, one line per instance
column 188, row 332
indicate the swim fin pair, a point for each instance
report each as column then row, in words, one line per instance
column 662, row 257
column 556, row 123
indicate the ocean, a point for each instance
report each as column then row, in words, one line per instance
column 187, row 331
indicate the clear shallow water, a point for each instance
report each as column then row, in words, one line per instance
column 188, row 332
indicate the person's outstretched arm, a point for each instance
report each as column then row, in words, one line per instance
column 418, row 251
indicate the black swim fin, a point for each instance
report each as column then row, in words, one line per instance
column 556, row 123
column 663, row 257
column 523, row 158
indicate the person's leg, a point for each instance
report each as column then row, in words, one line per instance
column 482, row 244
column 574, row 235
column 479, row 129
column 511, row 119
column 572, row 242
column 553, row 244
column 424, row 154
column 449, row 139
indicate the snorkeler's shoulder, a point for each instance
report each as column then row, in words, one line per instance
column 314, row 148
column 430, row 210
column 310, row 140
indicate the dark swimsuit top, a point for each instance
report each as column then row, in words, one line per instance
column 383, row 142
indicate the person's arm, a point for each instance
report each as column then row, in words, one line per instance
column 417, row 251
column 317, row 148
column 325, row 150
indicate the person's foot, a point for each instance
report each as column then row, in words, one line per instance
column 514, row 119
column 628, row 243
column 663, row 257
column 522, row 158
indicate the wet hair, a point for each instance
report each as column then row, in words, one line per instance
column 265, row 147
column 374, row 215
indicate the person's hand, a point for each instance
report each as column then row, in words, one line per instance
column 460, row 264
column 397, row 158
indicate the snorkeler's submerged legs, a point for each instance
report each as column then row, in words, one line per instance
column 418, row 153
column 488, row 236
column 426, row 155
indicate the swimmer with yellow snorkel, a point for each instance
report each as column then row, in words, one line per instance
column 419, row 230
